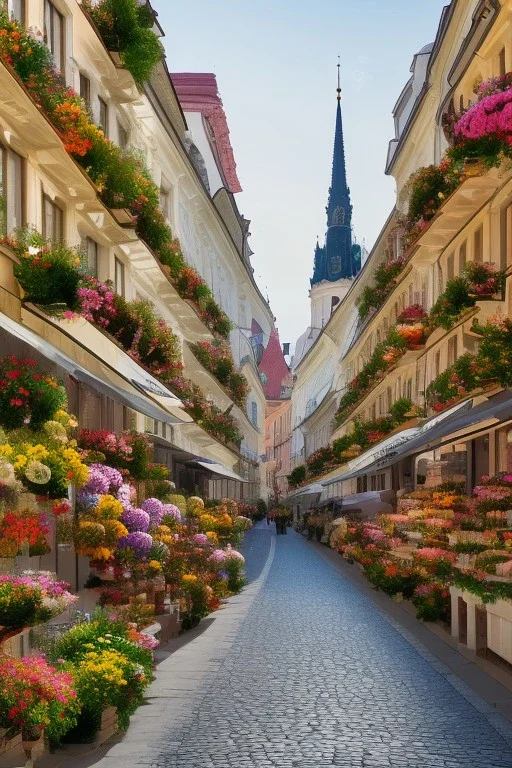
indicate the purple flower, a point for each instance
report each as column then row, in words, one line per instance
column 170, row 510
column 112, row 476
column 140, row 542
column 218, row 556
column 201, row 539
column 136, row 520
column 155, row 510
column 97, row 482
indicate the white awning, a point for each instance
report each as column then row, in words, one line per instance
column 220, row 469
column 130, row 387
column 309, row 490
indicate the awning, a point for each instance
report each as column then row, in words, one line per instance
column 220, row 469
column 134, row 392
column 309, row 490
column 463, row 420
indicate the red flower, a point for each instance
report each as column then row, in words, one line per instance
column 16, row 401
column 13, row 375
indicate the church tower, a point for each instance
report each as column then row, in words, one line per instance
column 339, row 260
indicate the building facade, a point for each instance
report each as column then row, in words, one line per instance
column 407, row 399
column 277, row 385
column 192, row 165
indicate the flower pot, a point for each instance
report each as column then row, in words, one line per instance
column 123, row 216
column 473, row 166
column 33, row 742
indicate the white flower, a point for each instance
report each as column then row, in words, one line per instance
column 7, row 476
column 33, row 251
column 38, row 473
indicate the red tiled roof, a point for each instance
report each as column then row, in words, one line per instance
column 198, row 92
column 274, row 366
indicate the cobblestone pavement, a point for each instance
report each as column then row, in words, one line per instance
column 315, row 676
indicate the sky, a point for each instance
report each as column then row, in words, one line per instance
column 275, row 64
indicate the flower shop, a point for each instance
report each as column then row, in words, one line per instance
column 89, row 508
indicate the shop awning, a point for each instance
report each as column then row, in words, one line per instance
column 131, row 386
column 220, row 469
column 462, row 421
column 309, row 490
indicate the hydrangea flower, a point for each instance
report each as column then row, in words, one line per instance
column 218, row 556
column 97, row 483
column 113, row 477
column 232, row 554
column 201, row 539
column 155, row 510
column 136, row 520
column 170, row 510
column 88, row 500
column 140, row 542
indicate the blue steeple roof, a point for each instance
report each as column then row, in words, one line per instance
column 339, row 258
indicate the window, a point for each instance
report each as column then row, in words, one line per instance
column 85, row 89
column 462, row 256
column 254, row 413
column 12, row 190
column 461, row 103
column 450, row 266
column 54, row 33
column 502, row 63
column 122, row 136
column 452, row 350
column 53, row 219
column 166, row 201
column 16, row 9
column 389, row 398
column 90, row 247
column 437, row 365
column 103, row 115
column 478, row 245
column 424, row 294
column 409, row 389
column 119, row 281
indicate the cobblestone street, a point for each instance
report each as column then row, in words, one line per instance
column 308, row 672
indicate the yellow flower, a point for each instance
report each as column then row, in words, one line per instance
column 155, row 565
column 189, row 578
column 20, row 461
column 6, row 450
column 109, row 508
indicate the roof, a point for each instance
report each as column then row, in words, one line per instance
column 274, row 366
column 198, row 92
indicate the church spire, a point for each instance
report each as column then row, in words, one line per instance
column 339, row 258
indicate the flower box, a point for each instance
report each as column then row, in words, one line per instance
column 123, row 216
column 109, row 726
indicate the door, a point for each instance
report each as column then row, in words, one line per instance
column 481, row 631
column 463, row 621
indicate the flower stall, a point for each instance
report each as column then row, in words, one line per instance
column 151, row 554
column 448, row 553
